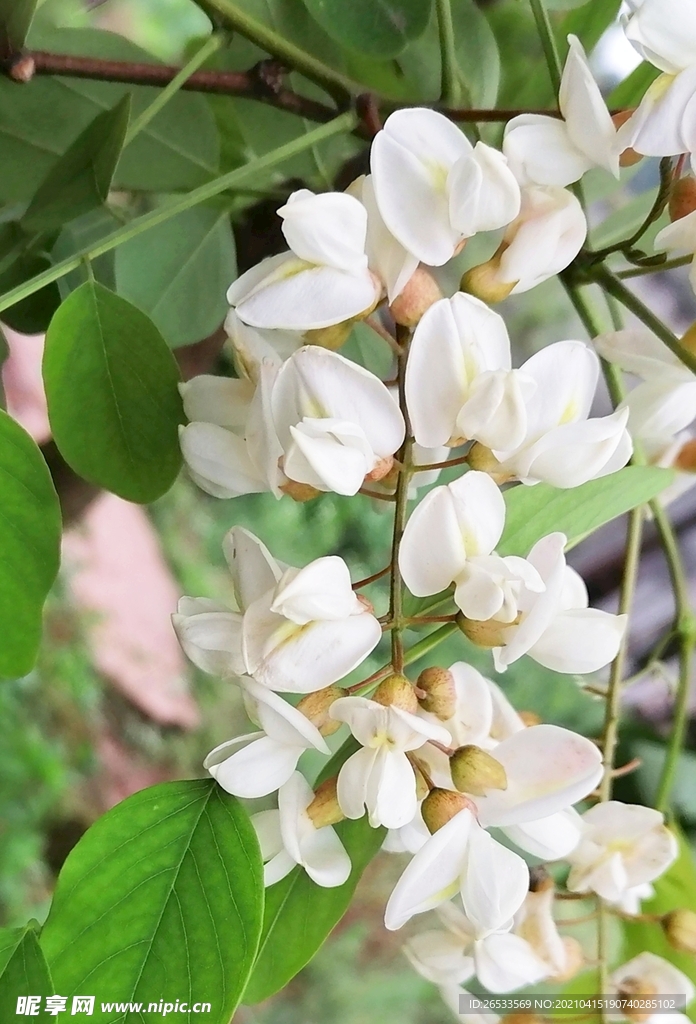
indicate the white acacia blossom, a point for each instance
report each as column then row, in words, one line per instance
column 379, row 776
column 544, row 150
column 679, row 239
column 459, row 381
column 297, row 630
column 323, row 280
column 287, row 837
column 622, row 846
column 649, row 975
column 434, row 189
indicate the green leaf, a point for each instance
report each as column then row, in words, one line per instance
column 162, row 898
column 630, row 92
column 534, row 512
column 113, row 401
column 675, row 889
column 15, row 18
column 179, row 273
column 381, row 28
column 299, row 915
column 33, row 314
column 81, row 179
column 23, row 969
column 179, row 149
column 30, row 531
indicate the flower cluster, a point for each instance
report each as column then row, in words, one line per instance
column 442, row 763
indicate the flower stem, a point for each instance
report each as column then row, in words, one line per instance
column 657, row 268
column 172, row 88
column 548, row 42
column 240, row 176
column 449, row 89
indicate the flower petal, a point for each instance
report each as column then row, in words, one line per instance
column 432, row 551
column 580, row 640
column 258, row 769
column 321, row 590
column 540, row 151
column 549, row 838
column 219, row 461
column 494, row 884
column 505, row 962
column 254, row 569
column 327, row 229
column 219, row 400
column 211, row 638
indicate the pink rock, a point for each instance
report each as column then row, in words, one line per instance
column 21, row 374
column 119, row 577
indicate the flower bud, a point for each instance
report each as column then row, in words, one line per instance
column 441, row 805
column 440, row 694
column 476, row 771
column 298, row 491
column 397, row 690
column 682, row 198
column 680, row 928
column 421, row 292
column 686, row 457
column 330, row 337
column 488, row 633
column 629, row 157
column 324, row 809
column 482, row 458
column 383, row 468
column 315, row 707
column 483, row 281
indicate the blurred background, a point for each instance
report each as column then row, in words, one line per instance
column 113, row 706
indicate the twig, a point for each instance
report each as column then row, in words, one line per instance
column 372, row 579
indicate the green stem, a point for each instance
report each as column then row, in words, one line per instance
column 685, row 628
column 450, row 93
column 548, row 43
column 429, row 643
column 207, row 50
column 335, row 83
column 344, row 123
column 633, row 304
column 661, row 200
column 656, row 268
column 400, row 513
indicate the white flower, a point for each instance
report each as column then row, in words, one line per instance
column 630, row 902
column 258, row 763
column 335, row 421
column 450, row 537
column 562, row 446
column 461, row 857
column 287, row 837
column 543, row 240
column 665, row 403
column 323, row 280
column 380, row 776
column 548, row 769
column 663, row 32
column 409, row 838
column 386, row 257
column 434, row 189
column 544, row 150
column 550, row 838
column 663, row 124
column 230, row 446
column 622, row 846
column 298, row 630
column 500, row 960
column 679, row 239
column 251, row 347
column 555, row 626
column 459, row 382
column 648, row 975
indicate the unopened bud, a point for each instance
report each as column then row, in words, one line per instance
column 440, row 692
column 298, row 491
column 633, row 990
column 441, row 805
column 383, row 468
column 488, row 633
column 330, row 337
column 686, row 457
column 530, row 718
column 680, row 928
column 476, row 771
column 324, row 809
column 315, row 707
column 629, row 157
column 682, row 198
column 397, row 690
column 421, row 292
column 483, row 281
column 483, row 459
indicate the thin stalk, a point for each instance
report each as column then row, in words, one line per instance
column 548, row 42
column 449, row 88
column 657, row 268
column 661, row 200
column 631, row 302
column 207, row 50
column 344, row 123
column 336, row 84
column 400, row 514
